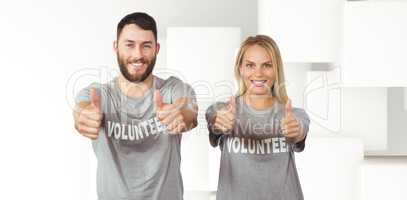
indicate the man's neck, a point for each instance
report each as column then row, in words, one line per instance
column 135, row 90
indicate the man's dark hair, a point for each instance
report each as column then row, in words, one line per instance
column 142, row 20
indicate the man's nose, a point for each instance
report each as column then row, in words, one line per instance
column 137, row 53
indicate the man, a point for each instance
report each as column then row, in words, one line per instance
column 136, row 120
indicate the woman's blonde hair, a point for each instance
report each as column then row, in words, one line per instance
column 278, row 88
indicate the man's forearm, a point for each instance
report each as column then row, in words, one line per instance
column 190, row 118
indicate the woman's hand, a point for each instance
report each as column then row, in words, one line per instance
column 290, row 126
column 225, row 118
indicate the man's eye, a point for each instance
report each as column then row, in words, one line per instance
column 147, row 46
column 129, row 45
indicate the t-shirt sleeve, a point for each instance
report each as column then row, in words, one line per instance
column 304, row 121
column 215, row 138
column 180, row 89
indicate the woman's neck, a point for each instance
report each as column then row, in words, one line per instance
column 259, row 102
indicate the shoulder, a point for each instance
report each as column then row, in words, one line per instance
column 174, row 85
column 170, row 82
column 301, row 113
column 216, row 106
column 101, row 88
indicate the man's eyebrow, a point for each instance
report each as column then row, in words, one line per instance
column 147, row 42
column 129, row 41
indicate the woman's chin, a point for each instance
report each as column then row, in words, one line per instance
column 259, row 91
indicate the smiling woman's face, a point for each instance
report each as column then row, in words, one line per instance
column 257, row 71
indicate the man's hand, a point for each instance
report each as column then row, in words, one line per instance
column 88, row 116
column 290, row 125
column 169, row 114
column 225, row 118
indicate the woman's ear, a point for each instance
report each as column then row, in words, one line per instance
column 115, row 47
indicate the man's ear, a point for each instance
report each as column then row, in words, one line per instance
column 157, row 47
column 115, row 47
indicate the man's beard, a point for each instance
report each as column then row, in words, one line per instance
column 134, row 78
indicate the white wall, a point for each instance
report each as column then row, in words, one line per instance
column 43, row 43
column 296, row 81
column 204, row 56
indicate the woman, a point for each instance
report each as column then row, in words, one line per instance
column 258, row 131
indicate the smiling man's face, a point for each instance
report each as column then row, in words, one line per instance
column 136, row 51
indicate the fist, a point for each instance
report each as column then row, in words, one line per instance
column 225, row 118
column 290, row 126
column 169, row 114
column 88, row 116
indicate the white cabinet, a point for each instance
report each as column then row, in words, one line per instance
column 329, row 168
column 365, row 116
column 405, row 98
column 306, row 30
column 204, row 57
column 384, row 178
column 375, row 44
column 360, row 112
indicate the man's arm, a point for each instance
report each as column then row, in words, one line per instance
column 88, row 116
column 189, row 112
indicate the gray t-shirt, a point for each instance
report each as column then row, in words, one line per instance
column 257, row 162
column 136, row 158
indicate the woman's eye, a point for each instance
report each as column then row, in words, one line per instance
column 249, row 65
column 268, row 65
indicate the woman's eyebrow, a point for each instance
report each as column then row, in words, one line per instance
column 129, row 41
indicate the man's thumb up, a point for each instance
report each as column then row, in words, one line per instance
column 94, row 98
column 158, row 99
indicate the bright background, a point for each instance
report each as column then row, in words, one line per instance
column 344, row 62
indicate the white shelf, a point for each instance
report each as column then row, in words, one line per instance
column 375, row 44
column 306, row 31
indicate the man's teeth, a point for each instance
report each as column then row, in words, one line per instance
column 136, row 64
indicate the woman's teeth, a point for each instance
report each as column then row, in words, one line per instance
column 258, row 83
